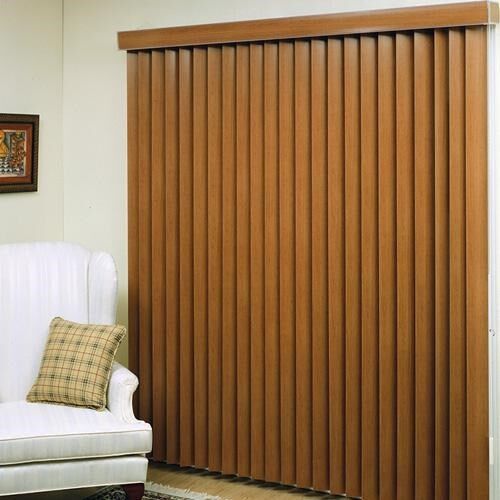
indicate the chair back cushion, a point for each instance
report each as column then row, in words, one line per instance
column 39, row 281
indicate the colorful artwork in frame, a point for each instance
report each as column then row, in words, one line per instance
column 18, row 153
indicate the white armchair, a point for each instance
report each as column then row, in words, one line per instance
column 47, row 447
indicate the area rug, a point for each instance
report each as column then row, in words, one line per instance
column 176, row 493
column 153, row 491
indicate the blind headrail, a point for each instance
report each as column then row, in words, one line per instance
column 374, row 21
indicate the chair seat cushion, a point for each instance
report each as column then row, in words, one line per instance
column 37, row 432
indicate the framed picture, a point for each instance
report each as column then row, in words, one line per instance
column 18, row 153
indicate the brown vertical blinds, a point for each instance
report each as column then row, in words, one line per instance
column 308, row 260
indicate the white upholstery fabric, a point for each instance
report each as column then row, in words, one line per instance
column 103, row 286
column 33, row 432
column 122, row 385
column 39, row 281
column 47, row 476
column 51, row 447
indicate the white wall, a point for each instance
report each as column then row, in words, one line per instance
column 31, row 83
column 95, row 97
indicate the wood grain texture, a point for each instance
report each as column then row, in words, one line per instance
column 308, row 260
column 186, row 271
column 200, row 256
column 303, row 260
column 271, row 267
column 387, row 225
column 405, row 258
column 172, row 255
column 410, row 18
column 458, row 392
column 243, row 256
column 287, row 261
column 229, row 330
column 319, row 207
column 257, row 292
column 144, row 233
column 476, row 254
column 424, row 264
column 369, row 268
column 158, row 257
column 133, row 216
column 353, row 264
column 214, row 179
column 336, row 264
column 442, row 264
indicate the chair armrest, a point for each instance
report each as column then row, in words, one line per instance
column 121, row 388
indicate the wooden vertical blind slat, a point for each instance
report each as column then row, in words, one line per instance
column 144, row 232
column 214, row 125
column 336, row 265
column 387, row 266
column 200, row 256
column 243, row 257
column 186, row 271
column 319, row 207
column 271, row 268
column 287, row 262
column 133, row 215
column 308, row 260
column 441, row 264
column 303, row 260
column 228, row 261
column 405, row 258
column 172, row 344
column 458, row 441
column 476, row 252
column 257, row 425
column 158, row 248
column 353, row 264
column 369, row 266
column 424, row 264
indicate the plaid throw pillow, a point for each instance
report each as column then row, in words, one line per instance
column 76, row 364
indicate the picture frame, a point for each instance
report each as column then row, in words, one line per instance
column 18, row 152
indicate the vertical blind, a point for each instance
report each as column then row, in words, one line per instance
column 308, row 260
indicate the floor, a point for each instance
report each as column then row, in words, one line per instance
column 227, row 487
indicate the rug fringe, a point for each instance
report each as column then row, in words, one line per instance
column 169, row 490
